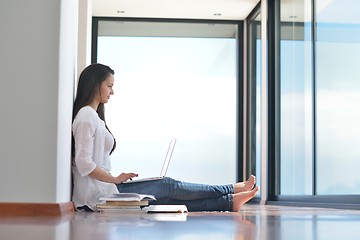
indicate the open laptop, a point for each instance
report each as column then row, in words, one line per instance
column 164, row 167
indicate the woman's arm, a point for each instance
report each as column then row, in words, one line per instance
column 104, row 176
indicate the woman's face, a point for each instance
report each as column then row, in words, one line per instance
column 106, row 89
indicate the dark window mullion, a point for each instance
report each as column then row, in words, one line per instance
column 240, row 102
column 274, row 99
column 313, row 40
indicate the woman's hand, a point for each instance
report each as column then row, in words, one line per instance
column 104, row 176
column 124, row 177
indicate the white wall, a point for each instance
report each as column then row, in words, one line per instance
column 84, row 34
column 37, row 71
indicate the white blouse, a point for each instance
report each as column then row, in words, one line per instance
column 93, row 143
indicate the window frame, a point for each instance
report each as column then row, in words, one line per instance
column 239, row 75
column 274, row 196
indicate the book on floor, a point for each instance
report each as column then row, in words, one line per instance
column 165, row 209
column 124, row 202
column 134, row 202
column 104, row 207
column 127, row 197
column 127, row 203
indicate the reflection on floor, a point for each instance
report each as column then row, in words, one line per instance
column 252, row 222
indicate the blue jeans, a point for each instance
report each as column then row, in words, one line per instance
column 196, row 197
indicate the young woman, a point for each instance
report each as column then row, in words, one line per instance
column 93, row 144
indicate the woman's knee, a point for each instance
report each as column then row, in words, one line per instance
column 170, row 181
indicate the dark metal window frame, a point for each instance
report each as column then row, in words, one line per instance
column 240, row 64
column 274, row 196
column 250, row 127
column 251, row 94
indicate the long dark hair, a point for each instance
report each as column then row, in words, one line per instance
column 89, row 82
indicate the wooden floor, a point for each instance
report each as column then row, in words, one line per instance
column 252, row 222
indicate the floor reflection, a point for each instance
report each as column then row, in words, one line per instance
column 161, row 226
column 252, row 222
column 282, row 223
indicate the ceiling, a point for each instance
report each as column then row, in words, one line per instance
column 175, row 9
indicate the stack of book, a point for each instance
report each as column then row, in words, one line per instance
column 124, row 202
column 135, row 203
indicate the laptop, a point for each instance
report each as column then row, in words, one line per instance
column 164, row 167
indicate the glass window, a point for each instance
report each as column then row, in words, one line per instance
column 173, row 80
column 338, row 98
column 296, row 98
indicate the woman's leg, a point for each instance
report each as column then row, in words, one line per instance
column 222, row 203
column 169, row 188
column 229, row 202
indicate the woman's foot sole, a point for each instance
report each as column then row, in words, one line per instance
column 239, row 199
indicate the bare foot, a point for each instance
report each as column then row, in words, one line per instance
column 243, row 197
column 245, row 186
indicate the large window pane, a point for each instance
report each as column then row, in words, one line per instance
column 296, row 152
column 172, row 82
column 338, row 98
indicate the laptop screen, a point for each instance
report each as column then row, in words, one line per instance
column 167, row 158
